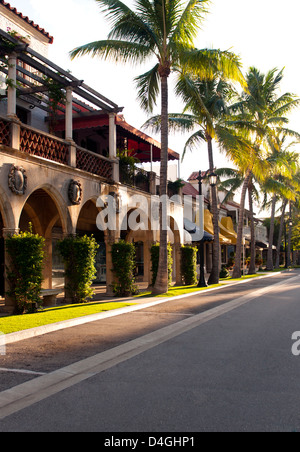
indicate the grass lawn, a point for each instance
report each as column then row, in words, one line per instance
column 15, row 323
column 182, row 290
column 176, row 291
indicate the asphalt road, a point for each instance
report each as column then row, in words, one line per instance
column 220, row 361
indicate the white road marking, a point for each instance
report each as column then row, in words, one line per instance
column 40, row 388
column 21, row 371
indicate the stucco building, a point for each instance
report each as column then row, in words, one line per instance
column 60, row 155
column 64, row 151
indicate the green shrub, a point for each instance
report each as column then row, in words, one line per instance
column 155, row 260
column 189, row 265
column 124, row 265
column 79, row 255
column 224, row 273
column 24, row 272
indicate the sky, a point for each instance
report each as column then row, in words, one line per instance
column 263, row 33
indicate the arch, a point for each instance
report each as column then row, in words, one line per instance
column 175, row 240
column 174, row 236
column 59, row 202
column 87, row 224
column 46, row 210
column 87, row 216
column 143, row 238
column 6, row 210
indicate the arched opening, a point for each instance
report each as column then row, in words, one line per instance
column 86, row 225
column 136, row 228
column 41, row 211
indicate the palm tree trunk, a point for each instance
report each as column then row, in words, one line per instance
column 215, row 272
column 289, row 261
column 161, row 284
column 280, row 233
column 270, row 265
column 252, row 270
column 238, row 253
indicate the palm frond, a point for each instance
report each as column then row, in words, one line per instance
column 207, row 62
column 188, row 21
column 118, row 51
column 194, row 142
column 148, row 88
column 126, row 24
column 178, row 122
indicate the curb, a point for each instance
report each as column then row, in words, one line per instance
column 41, row 330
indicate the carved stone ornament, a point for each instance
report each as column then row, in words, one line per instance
column 17, row 180
column 117, row 200
column 75, row 192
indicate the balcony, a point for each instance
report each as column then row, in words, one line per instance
column 134, row 176
column 86, row 128
column 40, row 144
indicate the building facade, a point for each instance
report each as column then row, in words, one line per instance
column 66, row 152
column 61, row 164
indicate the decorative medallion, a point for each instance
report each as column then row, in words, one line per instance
column 75, row 192
column 17, row 180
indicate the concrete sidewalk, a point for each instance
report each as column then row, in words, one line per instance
column 100, row 296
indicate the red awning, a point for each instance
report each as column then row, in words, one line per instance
column 138, row 143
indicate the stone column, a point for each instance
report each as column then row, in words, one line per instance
column 12, row 86
column 69, row 114
column 69, row 127
column 152, row 183
column 113, row 146
column 47, row 270
column 10, row 304
column 15, row 131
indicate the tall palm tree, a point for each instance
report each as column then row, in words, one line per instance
column 233, row 182
column 247, row 157
column 256, row 116
column 283, row 182
column 294, row 186
column 205, row 103
column 162, row 30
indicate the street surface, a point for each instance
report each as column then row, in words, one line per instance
column 216, row 361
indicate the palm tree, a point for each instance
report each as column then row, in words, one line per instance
column 294, row 186
column 256, row 116
column 162, row 30
column 281, row 184
column 283, row 181
column 233, row 183
column 247, row 157
column 205, row 103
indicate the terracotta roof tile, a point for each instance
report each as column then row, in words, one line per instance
column 26, row 19
column 188, row 189
column 195, row 174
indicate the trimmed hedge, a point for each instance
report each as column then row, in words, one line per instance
column 25, row 270
column 124, row 265
column 155, row 260
column 189, row 265
column 79, row 255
